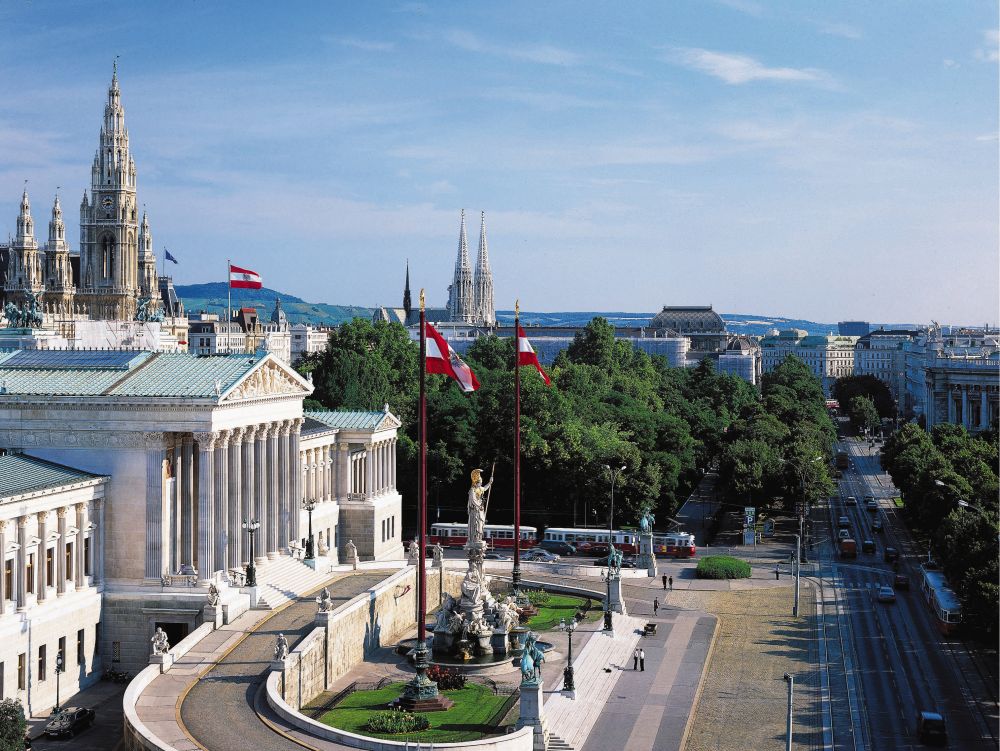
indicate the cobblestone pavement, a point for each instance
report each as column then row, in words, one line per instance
column 218, row 711
column 744, row 695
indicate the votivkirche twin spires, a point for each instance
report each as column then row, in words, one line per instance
column 470, row 296
column 117, row 267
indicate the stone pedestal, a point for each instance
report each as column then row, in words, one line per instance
column 213, row 614
column 617, row 603
column 252, row 592
column 323, row 618
column 647, row 558
column 165, row 661
column 533, row 715
column 319, row 563
column 485, row 643
column 500, row 642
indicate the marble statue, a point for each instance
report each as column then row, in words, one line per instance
column 413, row 552
column 445, row 613
column 324, row 601
column 472, row 585
column 477, row 506
column 160, row 643
column 352, row 553
column 213, row 594
column 438, row 554
column 531, row 660
column 322, row 548
column 281, row 647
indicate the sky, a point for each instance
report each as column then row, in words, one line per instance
column 828, row 161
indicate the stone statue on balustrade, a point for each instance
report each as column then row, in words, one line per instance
column 280, row 647
column 325, row 601
column 531, row 661
column 614, row 562
column 438, row 552
column 213, row 594
column 413, row 553
column 161, row 644
column 351, row 551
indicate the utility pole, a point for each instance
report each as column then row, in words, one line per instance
column 788, row 720
column 798, row 550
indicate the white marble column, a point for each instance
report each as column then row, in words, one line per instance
column 177, row 509
column 97, row 548
column 206, row 506
column 273, row 488
column 395, row 466
column 4, row 594
column 188, row 503
column 260, row 470
column 22, row 563
column 221, row 466
column 295, row 430
column 342, row 482
column 156, row 551
column 288, row 467
column 329, row 454
column 236, row 491
column 61, row 573
column 43, row 532
column 79, row 566
column 369, row 471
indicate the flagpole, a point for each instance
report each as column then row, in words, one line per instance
column 229, row 304
column 516, row 574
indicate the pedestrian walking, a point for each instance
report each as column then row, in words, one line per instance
column 656, row 605
column 777, row 574
column 635, row 659
column 671, row 584
column 665, row 582
column 642, row 660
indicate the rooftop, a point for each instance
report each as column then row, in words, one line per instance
column 20, row 474
column 346, row 419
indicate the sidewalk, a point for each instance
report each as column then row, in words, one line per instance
column 99, row 696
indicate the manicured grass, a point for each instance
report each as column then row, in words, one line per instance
column 558, row 606
column 722, row 567
column 465, row 721
column 897, row 502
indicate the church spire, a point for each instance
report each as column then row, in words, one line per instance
column 484, row 310
column 460, row 297
column 25, row 224
column 407, row 302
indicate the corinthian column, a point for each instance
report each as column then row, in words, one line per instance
column 78, row 549
column 221, row 466
column 157, row 537
column 61, row 572
column 286, row 467
column 296, row 474
column 261, row 471
column 273, row 488
column 22, row 562
column 235, row 502
column 249, row 484
column 43, row 550
column 188, row 504
column 369, row 471
column 206, row 506
column 4, row 594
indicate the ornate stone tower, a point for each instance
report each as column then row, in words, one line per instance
column 485, row 314
column 148, row 283
column 460, row 294
column 24, row 273
column 109, row 285
column 58, row 277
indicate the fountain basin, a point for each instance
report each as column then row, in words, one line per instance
column 479, row 664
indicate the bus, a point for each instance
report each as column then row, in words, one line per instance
column 593, row 540
column 941, row 598
column 674, row 545
column 496, row 535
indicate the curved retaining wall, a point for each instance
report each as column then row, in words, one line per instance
column 565, row 569
column 517, row 741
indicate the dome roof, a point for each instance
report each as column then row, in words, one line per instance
column 689, row 319
column 278, row 315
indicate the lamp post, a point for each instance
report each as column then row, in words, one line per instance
column 798, row 554
column 59, row 669
column 309, row 504
column 614, row 473
column 788, row 719
column 568, row 628
column 802, row 508
column 251, row 526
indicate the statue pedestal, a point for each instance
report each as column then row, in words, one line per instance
column 647, row 558
column 533, row 715
column 617, row 603
column 165, row 661
column 485, row 643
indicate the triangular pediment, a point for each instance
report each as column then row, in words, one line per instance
column 389, row 422
column 270, row 377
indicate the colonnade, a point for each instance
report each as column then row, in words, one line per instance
column 36, row 567
column 966, row 404
column 373, row 471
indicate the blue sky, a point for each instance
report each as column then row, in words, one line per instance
column 820, row 160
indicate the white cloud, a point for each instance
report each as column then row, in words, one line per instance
column 988, row 137
column 538, row 53
column 991, row 52
column 367, row 45
column 744, row 6
column 949, row 63
column 836, row 29
column 739, row 69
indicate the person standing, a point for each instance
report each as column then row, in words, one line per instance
column 777, row 574
column 665, row 582
column 635, row 659
column 671, row 584
column 642, row 660
column 656, row 605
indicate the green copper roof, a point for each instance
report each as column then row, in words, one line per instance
column 21, row 474
column 347, row 420
column 179, row 374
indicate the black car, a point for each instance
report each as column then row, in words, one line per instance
column 901, row 581
column 890, row 555
column 877, row 525
column 558, row 547
column 69, row 721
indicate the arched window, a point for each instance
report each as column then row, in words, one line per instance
column 107, row 256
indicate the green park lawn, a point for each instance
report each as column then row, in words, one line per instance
column 465, row 721
column 558, row 606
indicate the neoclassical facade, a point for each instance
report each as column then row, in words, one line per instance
column 194, row 447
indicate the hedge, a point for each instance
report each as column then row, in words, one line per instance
column 723, row 567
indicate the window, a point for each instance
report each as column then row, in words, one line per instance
column 69, row 560
column 116, row 651
column 61, row 653
column 8, row 578
column 86, row 556
column 50, row 576
column 22, row 670
column 81, row 657
column 29, row 573
column 383, row 530
column 41, row 662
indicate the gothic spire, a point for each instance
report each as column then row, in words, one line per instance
column 57, row 228
column 460, row 298
column 407, row 302
column 484, row 311
column 25, row 224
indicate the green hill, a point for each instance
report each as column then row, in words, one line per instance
column 212, row 299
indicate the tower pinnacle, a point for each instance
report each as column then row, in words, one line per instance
column 461, row 301
column 485, row 313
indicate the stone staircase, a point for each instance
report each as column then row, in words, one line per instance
column 284, row 579
column 557, row 744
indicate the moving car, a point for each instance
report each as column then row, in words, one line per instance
column 877, row 525
column 69, row 721
column 557, row 546
column 901, row 581
column 848, row 548
column 930, row 728
column 886, row 594
column 871, row 504
column 867, row 546
column 497, row 557
column 844, row 534
column 890, row 555
column 843, row 522
column 540, row 556
column 851, row 501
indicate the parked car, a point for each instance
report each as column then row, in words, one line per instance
column 628, row 561
column 890, row 555
column 69, row 721
column 540, row 556
column 497, row 557
column 901, row 581
column 557, row 546
column 886, row 594
column 930, row 728
column 592, row 548
column 843, row 522
column 851, row 501
column 877, row 525
column 867, row 546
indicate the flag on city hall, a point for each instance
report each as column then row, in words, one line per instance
column 243, row 278
column 526, row 355
column 441, row 358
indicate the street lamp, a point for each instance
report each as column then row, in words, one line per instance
column 568, row 628
column 788, row 719
column 251, row 526
column 309, row 504
column 614, row 473
column 802, row 508
column 59, row 670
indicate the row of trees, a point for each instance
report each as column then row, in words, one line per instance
column 933, row 471
column 778, row 450
column 609, row 404
column 865, row 399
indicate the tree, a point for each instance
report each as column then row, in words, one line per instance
column 863, row 414
column 13, row 725
column 850, row 387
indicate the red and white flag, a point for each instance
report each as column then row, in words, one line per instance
column 526, row 355
column 243, row 278
column 441, row 358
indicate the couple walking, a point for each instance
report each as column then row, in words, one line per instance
column 639, row 659
column 666, row 580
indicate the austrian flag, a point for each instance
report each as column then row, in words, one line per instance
column 441, row 358
column 526, row 355
column 243, row 278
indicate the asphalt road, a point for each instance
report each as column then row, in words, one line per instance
column 903, row 663
column 105, row 734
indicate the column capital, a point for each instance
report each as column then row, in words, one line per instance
column 3, row 526
column 22, row 521
column 206, row 441
column 264, row 431
column 79, row 507
column 61, row 512
column 285, row 426
column 222, row 439
column 297, row 424
column 43, row 516
column 236, row 434
column 187, row 439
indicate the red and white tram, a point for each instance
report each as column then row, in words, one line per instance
column 941, row 598
column 496, row 535
column 674, row 545
column 587, row 539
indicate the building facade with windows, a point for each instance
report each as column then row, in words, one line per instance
column 828, row 357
